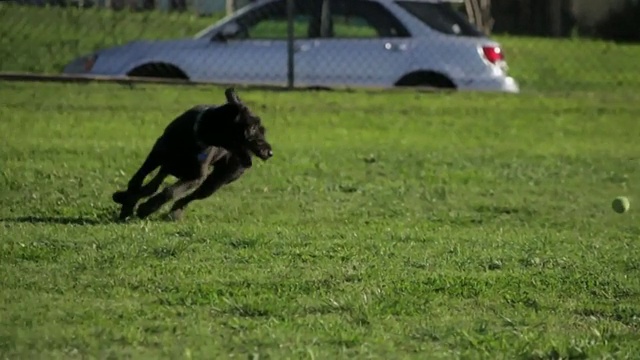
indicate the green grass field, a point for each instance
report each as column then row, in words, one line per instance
column 43, row 40
column 388, row 225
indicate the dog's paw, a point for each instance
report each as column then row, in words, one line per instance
column 145, row 209
column 121, row 220
column 125, row 213
column 174, row 215
column 120, row 197
column 142, row 212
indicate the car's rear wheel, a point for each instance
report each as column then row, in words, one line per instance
column 429, row 79
column 158, row 70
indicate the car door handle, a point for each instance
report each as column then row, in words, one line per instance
column 395, row 46
column 301, row 47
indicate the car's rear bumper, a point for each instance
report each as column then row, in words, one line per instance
column 500, row 84
column 509, row 84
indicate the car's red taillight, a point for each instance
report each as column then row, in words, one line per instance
column 493, row 54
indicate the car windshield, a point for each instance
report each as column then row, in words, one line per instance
column 441, row 17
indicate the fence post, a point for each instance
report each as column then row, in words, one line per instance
column 555, row 18
column 163, row 5
column 229, row 6
column 290, row 44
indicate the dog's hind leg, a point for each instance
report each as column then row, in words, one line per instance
column 221, row 175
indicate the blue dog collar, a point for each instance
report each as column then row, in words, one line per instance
column 203, row 156
column 196, row 124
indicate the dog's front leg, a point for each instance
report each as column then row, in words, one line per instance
column 135, row 191
column 152, row 161
column 222, row 174
column 131, row 199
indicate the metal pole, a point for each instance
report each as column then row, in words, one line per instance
column 325, row 19
column 290, row 44
column 555, row 18
column 229, row 6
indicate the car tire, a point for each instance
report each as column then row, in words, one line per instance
column 428, row 79
column 158, row 70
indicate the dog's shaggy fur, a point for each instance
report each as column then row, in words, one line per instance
column 220, row 137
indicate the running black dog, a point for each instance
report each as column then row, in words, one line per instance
column 223, row 137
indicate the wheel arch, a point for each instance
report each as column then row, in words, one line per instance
column 427, row 78
column 158, row 69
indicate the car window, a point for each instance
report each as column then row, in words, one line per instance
column 354, row 19
column 349, row 26
column 441, row 17
column 270, row 21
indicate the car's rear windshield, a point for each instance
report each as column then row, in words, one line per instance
column 441, row 17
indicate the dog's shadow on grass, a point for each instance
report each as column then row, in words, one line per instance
column 61, row 220
column 102, row 219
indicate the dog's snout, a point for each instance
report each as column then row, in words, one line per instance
column 261, row 149
column 265, row 153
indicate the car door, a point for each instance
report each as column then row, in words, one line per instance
column 252, row 48
column 365, row 46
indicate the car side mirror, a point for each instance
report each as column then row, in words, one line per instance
column 228, row 31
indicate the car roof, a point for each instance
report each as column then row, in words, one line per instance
column 206, row 30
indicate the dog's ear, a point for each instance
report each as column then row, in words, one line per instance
column 232, row 97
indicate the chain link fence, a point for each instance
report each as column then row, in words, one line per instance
column 310, row 43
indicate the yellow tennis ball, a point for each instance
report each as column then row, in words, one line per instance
column 620, row 204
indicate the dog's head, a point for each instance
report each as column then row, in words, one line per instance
column 250, row 134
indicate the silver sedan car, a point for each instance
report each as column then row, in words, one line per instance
column 337, row 43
